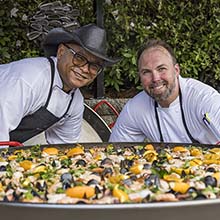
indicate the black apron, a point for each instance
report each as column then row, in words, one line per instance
column 39, row 121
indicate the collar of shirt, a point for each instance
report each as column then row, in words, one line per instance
column 57, row 79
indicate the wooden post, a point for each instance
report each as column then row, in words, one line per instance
column 98, row 85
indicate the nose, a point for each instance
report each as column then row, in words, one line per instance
column 155, row 76
column 85, row 68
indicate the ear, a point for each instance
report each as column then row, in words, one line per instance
column 177, row 69
column 60, row 51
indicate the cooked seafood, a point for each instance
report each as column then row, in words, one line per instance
column 109, row 175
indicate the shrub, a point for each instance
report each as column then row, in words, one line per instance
column 192, row 28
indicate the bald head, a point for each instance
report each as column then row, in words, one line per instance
column 154, row 44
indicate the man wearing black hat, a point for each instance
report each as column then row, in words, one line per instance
column 42, row 94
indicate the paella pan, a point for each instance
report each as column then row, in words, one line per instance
column 105, row 181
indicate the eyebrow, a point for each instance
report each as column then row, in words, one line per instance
column 144, row 70
column 148, row 70
column 81, row 51
column 161, row 65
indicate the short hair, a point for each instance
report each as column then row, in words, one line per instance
column 153, row 43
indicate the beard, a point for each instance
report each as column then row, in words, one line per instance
column 170, row 87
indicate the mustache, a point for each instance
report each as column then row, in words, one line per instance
column 156, row 84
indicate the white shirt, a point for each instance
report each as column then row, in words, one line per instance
column 24, row 88
column 137, row 120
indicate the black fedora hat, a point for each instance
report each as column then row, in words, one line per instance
column 90, row 37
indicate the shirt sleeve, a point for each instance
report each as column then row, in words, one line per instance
column 14, row 102
column 203, row 111
column 126, row 128
column 211, row 113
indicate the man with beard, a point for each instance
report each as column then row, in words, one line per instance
column 171, row 108
column 42, row 93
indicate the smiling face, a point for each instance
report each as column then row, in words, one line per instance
column 158, row 75
column 72, row 75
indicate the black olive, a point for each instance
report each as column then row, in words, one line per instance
column 211, row 169
column 81, row 163
column 2, row 168
column 92, row 182
column 106, row 161
column 210, row 181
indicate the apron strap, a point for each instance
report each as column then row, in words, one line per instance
column 158, row 121
column 184, row 121
column 52, row 79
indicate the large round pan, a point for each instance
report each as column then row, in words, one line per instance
column 94, row 129
column 187, row 210
column 184, row 210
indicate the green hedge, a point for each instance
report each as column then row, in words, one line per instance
column 191, row 27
